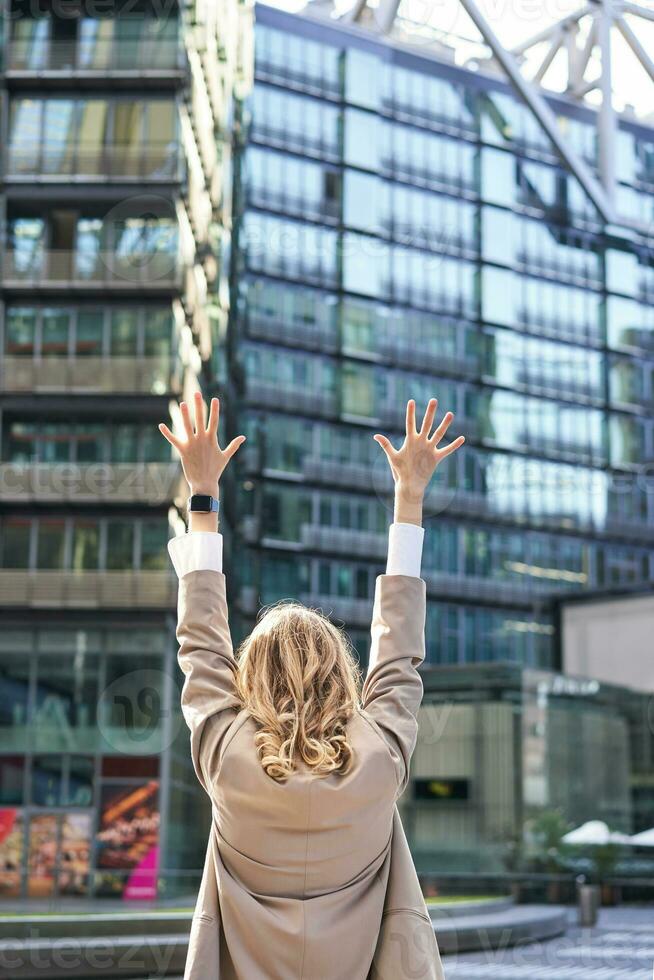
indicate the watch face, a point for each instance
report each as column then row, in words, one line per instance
column 201, row 502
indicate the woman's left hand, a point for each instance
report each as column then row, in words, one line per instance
column 203, row 461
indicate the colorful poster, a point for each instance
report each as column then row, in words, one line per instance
column 12, row 846
column 75, row 854
column 42, row 855
column 128, row 840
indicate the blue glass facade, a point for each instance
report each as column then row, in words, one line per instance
column 406, row 230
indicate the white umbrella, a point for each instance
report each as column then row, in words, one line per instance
column 595, row 832
column 644, row 839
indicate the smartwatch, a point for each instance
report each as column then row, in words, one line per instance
column 203, row 503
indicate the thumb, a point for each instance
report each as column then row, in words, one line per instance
column 234, row 445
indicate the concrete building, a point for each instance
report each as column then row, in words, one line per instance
column 115, row 203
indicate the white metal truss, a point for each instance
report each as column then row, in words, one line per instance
column 599, row 19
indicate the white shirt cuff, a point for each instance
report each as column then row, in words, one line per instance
column 196, row 551
column 405, row 549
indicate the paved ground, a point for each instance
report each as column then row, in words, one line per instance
column 621, row 947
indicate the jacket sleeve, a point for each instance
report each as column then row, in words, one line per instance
column 393, row 689
column 209, row 700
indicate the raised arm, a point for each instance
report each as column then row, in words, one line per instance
column 392, row 691
column 206, row 656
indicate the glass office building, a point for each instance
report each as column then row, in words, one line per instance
column 115, row 190
column 405, row 229
column 502, row 748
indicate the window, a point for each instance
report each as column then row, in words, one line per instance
column 93, row 137
column 15, row 543
column 89, row 333
column 51, row 542
column 124, row 332
column 20, row 332
column 154, row 540
column 86, row 539
column 120, row 545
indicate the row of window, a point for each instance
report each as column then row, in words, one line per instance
column 84, row 544
column 432, row 343
column 428, row 220
column 375, row 83
column 319, row 129
column 454, row 633
column 126, row 42
column 509, row 485
column 84, row 442
column 33, row 331
column 397, row 273
column 526, row 559
column 506, row 419
column 303, row 188
column 89, row 236
column 94, row 137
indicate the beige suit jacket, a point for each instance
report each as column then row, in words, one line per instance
column 311, row 879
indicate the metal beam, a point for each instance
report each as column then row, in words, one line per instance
column 548, row 32
column 541, row 110
column 608, row 120
column 549, row 57
column 636, row 46
column 632, row 8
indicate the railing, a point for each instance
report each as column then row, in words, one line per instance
column 310, row 337
column 157, row 161
column 159, row 270
column 150, row 55
column 275, row 395
column 143, row 375
column 478, row 587
column 297, row 76
column 114, row 590
column 115, row 482
column 417, row 172
column 288, row 140
column 344, row 541
column 397, row 351
column 335, row 472
column 288, row 203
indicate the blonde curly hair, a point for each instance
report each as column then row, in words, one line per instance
column 299, row 679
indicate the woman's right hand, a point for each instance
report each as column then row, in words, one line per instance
column 415, row 462
column 203, row 461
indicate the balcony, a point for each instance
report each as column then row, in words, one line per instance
column 262, row 131
column 344, row 541
column 89, row 590
column 64, row 270
column 303, row 205
column 115, row 375
column 399, row 354
column 89, row 482
column 338, row 473
column 352, row 612
column 309, row 336
column 301, row 76
column 476, row 588
column 156, row 162
column 106, row 57
column 270, row 394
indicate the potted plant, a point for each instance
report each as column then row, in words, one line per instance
column 547, row 831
